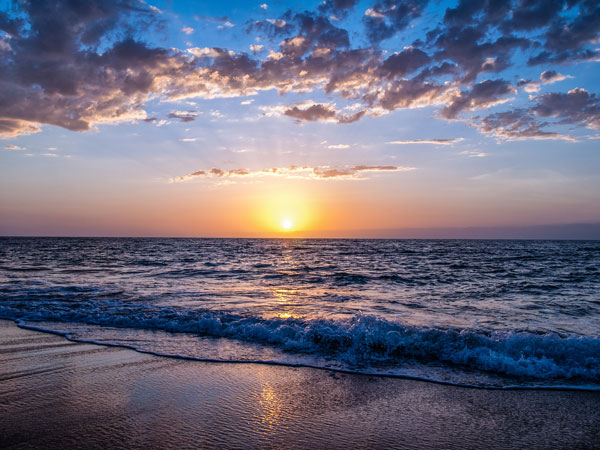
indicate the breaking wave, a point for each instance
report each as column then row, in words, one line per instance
column 358, row 343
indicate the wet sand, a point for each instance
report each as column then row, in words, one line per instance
column 59, row 394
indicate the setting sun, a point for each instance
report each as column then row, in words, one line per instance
column 287, row 224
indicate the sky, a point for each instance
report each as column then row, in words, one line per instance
column 327, row 118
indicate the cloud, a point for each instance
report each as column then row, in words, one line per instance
column 188, row 139
column 552, row 76
column 187, row 30
column 474, row 53
column 402, row 63
column 227, row 24
column 566, row 29
column 211, row 18
column 295, row 172
column 338, row 146
column 528, row 85
column 77, row 66
column 279, row 23
column 312, row 113
column 577, row 106
column 264, row 6
column 350, row 118
column 473, row 154
column 14, row 127
column 388, row 17
column 381, row 168
column 482, row 95
column 413, row 93
column 63, row 81
column 339, row 8
column 515, row 125
column 14, row 147
column 184, row 116
column 428, row 141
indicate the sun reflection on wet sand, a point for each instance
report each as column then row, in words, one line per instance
column 269, row 408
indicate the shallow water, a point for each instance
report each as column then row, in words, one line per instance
column 497, row 313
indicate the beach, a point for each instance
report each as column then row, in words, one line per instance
column 59, row 394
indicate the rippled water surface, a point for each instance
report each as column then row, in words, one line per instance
column 477, row 312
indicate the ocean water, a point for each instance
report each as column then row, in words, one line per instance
column 468, row 312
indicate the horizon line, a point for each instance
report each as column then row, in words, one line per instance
column 570, row 231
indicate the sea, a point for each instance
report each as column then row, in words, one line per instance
column 497, row 314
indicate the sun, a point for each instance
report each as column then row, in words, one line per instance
column 287, row 224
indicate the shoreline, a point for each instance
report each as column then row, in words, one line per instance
column 21, row 324
column 58, row 393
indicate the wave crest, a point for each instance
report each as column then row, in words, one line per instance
column 359, row 341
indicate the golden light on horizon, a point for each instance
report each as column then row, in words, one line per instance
column 287, row 210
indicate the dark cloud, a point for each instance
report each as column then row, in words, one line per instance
column 76, row 64
column 473, row 54
column 548, row 75
column 321, row 112
column 572, row 33
column 387, row 17
column 349, row 118
column 564, row 57
column 271, row 28
column 468, row 11
column 339, row 8
column 10, row 25
column 408, row 94
column 577, row 106
column 318, row 30
column 55, row 75
column 552, row 76
column 568, row 27
column 482, row 95
column 533, row 14
column 312, row 113
column 184, row 116
column 518, row 124
column 404, row 62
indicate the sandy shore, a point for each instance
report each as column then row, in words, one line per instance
column 59, row 394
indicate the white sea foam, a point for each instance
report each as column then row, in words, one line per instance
column 358, row 343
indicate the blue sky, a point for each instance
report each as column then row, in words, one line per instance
column 193, row 118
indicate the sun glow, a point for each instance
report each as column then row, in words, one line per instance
column 285, row 210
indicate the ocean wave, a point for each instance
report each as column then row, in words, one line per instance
column 359, row 341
